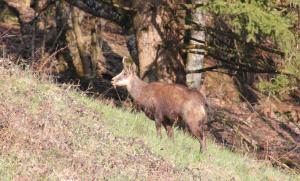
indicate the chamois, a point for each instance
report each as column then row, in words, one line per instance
column 165, row 103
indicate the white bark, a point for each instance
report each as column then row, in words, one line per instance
column 195, row 61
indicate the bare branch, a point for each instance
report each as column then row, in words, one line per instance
column 232, row 35
column 104, row 10
column 205, row 69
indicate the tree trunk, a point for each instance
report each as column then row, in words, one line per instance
column 65, row 39
column 195, row 61
column 97, row 59
column 158, row 59
column 148, row 41
column 83, row 54
column 155, row 38
column 82, row 45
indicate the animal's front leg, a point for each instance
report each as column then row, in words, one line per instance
column 158, row 122
column 169, row 129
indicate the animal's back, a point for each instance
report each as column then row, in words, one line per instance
column 173, row 99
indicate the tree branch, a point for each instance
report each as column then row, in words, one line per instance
column 205, row 69
column 235, row 66
column 105, row 10
column 232, row 35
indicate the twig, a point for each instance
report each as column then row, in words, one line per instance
column 51, row 56
column 5, row 32
column 279, row 162
column 118, row 94
column 282, row 156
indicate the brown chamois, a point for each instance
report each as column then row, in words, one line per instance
column 165, row 103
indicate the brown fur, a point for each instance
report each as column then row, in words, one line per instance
column 167, row 104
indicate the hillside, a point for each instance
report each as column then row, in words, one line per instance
column 53, row 132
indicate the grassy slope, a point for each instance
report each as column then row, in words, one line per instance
column 52, row 132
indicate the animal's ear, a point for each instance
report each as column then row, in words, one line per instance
column 132, row 68
column 129, row 65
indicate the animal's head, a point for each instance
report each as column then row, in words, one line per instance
column 124, row 78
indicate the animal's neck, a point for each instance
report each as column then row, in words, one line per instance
column 136, row 86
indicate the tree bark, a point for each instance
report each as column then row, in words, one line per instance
column 97, row 59
column 26, row 13
column 158, row 59
column 148, row 41
column 103, row 9
column 82, row 45
column 66, row 38
column 195, row 61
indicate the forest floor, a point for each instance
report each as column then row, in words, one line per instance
column 52, row 131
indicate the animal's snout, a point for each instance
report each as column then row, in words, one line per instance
column 113, row 81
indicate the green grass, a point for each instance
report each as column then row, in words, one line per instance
column 53, row 132
column 216, row 162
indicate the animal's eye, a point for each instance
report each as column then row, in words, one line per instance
column 126, row 72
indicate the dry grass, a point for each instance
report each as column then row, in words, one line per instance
column 47, row 134
column 51, row 132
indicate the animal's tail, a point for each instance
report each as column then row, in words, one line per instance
column 210, row 112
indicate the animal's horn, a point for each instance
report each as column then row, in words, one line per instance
column 124, row 60
column 128, row 63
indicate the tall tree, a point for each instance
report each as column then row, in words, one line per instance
column 148, row 21
column 158, row 59
column 195, row 61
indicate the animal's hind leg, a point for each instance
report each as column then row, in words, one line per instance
column 202, row 138
column 199, row 134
